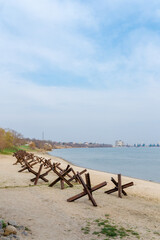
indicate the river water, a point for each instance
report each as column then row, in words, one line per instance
column 142, row 163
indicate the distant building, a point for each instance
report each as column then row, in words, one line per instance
column 119, row 143
column 48, row 147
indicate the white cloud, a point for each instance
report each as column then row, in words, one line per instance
column 108, row 43
column 30, row 44
column 73, row 113
column 53, row 12
column 58, row 38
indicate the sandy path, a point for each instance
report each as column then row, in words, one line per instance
column 46, row 212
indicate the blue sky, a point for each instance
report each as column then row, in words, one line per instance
column 81, row 70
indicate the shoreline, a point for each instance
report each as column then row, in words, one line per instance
column 70, row 163
column 142, row 188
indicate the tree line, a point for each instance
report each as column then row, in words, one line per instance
column 10, row 138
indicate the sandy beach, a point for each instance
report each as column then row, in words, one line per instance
column 46, row 212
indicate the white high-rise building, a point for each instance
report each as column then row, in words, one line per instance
column 119, row 143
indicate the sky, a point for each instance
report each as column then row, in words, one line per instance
column 81, row 71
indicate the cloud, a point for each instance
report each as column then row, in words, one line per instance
column 56, row 42
column 59, row 12
column 41, row 33
column 80, row 70
column 78, row 114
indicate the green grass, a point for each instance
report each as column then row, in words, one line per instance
column 86, row 229
column 105, row 228
column 27, row 229
column 9, row 151
column 25, row 147
column 3, row 224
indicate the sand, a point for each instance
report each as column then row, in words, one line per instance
column 48, row 215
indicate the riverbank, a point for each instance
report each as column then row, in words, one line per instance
column 46, row 212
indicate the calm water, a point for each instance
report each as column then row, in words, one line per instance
column 143, row 163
